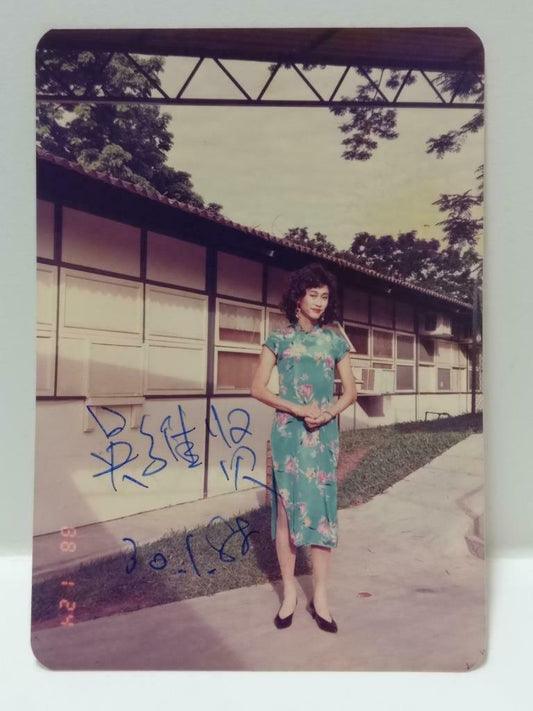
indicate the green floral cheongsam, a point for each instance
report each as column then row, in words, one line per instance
column 304, row 462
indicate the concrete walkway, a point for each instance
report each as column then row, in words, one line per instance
column 406, row 590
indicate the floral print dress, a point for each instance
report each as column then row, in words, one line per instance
column 304, row 461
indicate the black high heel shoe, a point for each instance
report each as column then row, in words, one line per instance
column 321, row 622
column 282, row 622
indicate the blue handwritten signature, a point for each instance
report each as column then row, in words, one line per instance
column 159, row 561
column 179, row 443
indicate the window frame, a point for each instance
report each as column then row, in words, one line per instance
column 413, row 340
column 404, row 365
column 380, row 357
column 246, row 347
column 217, row 389
column 267, row 321
column 447, row 368
column 353, row 349
column 427, row 366
column 426, row 362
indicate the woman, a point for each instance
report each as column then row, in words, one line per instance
column 305, row 437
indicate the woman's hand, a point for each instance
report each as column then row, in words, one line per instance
column 322, row 419
column 304, row 411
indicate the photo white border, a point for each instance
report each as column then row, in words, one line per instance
column 505, row 30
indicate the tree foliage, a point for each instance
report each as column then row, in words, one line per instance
column 460, row 227
column 319, row 242
column 129, row 141
column 451, row 270
column 406, row 257
column 364, row 122
column 418, row 261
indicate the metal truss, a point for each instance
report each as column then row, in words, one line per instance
column 94, row 93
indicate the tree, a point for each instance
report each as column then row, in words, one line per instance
column 407, row 257
column 364, row 122
column 128, row 141
column 460, row 228
column 417, row 261
column 319, row 243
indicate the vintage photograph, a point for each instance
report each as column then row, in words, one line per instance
column 259, row 355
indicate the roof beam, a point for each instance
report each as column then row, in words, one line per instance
column 95, row 94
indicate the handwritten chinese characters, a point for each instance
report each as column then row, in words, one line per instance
column 178, row 440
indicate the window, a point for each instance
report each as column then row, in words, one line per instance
column 387, row 366
column 175, row 333
column 458, row 361
column 405, row 377
column 241, row 326
column 275, row 320
column 359, row 336
column 458, row 379
column 405, row 347
column 239, row 323
column 383, row 344
column 426, row 350
column 100, row 345
column 235, row 370
column 46, row 328
column 426, row 378
column 444, row 379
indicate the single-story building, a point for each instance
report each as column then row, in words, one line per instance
column 151, row 316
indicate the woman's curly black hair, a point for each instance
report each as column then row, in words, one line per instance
column 310, row 276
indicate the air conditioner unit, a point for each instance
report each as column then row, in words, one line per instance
column 374, row 380
column 384, row 380
column 435, row 324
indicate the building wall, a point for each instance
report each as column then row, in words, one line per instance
column 144, row 365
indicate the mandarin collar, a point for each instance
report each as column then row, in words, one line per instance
column 299, row 329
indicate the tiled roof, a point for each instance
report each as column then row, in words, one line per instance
column 153, row 194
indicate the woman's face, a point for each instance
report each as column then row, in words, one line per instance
column 314, row 303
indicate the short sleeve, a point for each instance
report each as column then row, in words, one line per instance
column 273, row 342
column 340, row 348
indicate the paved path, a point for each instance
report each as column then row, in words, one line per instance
column 406, row 592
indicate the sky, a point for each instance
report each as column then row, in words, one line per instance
column 277, row 168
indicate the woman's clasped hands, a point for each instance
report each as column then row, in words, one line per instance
column 312, row 415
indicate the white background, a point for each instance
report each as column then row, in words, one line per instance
column 505, row 30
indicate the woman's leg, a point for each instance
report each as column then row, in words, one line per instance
column 286, row 551
column 320, row 557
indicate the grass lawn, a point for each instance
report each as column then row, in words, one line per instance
column 238, row 552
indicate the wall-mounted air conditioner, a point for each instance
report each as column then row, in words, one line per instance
column 435, row 324
column 384, row 381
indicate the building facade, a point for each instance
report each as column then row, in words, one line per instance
column 151, row 317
